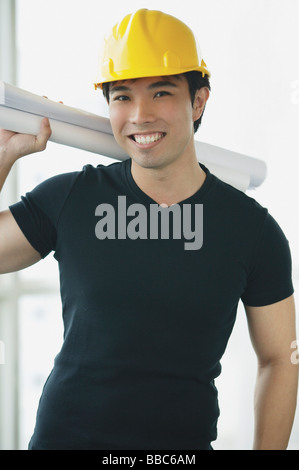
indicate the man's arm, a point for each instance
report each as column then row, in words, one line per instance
column 15, row 251
column 272, row 331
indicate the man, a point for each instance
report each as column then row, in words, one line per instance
column 154, row 255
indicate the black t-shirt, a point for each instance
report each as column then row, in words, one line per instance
column 147, row 317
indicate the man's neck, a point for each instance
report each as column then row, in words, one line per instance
column 169, row 185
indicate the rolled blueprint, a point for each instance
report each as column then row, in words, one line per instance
column 62, row 133
column 98, row 142
column 22, row 111
column 16, row 98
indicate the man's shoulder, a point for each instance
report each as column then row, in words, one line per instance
column 233, row 200
column 111, row 169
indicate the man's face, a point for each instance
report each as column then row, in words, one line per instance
column 152, row 119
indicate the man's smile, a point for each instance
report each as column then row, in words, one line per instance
column 147, row 139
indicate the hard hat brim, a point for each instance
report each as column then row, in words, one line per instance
column 126, row 75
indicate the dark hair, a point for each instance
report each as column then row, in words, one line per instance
column 195, row 81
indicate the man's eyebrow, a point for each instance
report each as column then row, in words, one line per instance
column 161, row 84
column 119, row 88
column 155, row 85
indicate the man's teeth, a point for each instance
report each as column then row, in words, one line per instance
column 148, row 139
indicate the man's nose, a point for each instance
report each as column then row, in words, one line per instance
column 142, row 112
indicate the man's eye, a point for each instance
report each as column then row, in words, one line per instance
column 121, row 98
column 162, row 93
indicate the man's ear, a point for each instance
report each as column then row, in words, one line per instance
column 200, row 100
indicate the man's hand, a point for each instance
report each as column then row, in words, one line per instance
column 14, row 145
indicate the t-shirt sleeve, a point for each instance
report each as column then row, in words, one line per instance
column 270, row 278
column 38, row 212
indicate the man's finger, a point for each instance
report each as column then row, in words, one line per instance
column 44, row 135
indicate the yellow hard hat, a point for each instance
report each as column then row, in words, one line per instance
column 149, row 43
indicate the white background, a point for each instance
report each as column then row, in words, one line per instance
column 252, row 50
